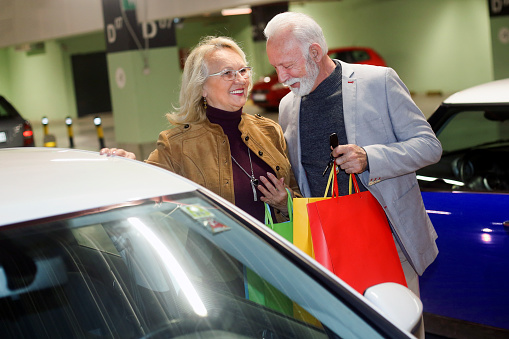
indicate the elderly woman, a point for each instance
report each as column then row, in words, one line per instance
column 213, row 143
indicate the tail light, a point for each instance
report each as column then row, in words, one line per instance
column 28, row 134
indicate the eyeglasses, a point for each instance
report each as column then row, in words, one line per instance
column 230, row 74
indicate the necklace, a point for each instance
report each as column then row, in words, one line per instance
column 254, row 181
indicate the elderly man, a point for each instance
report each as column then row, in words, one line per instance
column 383, row 136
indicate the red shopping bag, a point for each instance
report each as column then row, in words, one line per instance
column 358, row 238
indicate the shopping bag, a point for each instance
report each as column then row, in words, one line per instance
column 260, row 291
column 285, row 229
column 313, row 245
column 257, row 289
column 358, row 238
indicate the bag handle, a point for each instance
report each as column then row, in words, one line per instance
column 268, row 214
column 333, row 178
column 355, row 184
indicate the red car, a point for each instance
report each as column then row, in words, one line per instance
column 268, row 92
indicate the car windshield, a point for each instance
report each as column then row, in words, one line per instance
column 467, row 130
column 475, row 155
column 173, row 267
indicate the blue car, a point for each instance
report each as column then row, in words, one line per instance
column 466, row 194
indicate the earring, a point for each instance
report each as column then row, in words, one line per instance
column 204, row 102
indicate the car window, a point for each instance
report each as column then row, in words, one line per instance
column 470, row 129
column 351, row 56
column 475, row 146
column 171, row 267
column 6, row 110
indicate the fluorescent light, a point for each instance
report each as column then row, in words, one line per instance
column 454, row 182
column 236, row 11
column 447, row 181
column 438, row 212
column 424, row 178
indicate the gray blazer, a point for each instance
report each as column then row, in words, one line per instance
column 381, row 117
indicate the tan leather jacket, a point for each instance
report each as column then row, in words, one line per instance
column 201, row 153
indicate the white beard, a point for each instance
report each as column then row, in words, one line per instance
column 306, row 82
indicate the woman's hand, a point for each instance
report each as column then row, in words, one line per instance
column 274, row 192
column 119, row 152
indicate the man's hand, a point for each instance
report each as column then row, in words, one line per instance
column 351, row 158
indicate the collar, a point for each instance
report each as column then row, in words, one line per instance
column 221, row 117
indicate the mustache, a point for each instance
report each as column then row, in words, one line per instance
column 291, row 81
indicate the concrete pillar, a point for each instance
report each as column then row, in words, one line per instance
column 144, row 72
column 499, row 20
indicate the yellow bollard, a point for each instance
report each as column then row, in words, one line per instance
column 68, row 122
column 100, row 134
column 49, row 140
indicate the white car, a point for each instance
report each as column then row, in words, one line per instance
column 100, row 247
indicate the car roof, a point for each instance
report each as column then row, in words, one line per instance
column 494, row 92
column 350, row 48
column 43, row 182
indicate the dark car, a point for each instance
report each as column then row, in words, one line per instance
column 466, row 195
column 15, row 131
column 108, row 247
column 268, row 91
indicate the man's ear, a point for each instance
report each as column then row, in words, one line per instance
column 315, row 52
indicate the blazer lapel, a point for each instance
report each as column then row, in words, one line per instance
column 349, row 88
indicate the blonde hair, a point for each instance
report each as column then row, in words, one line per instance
column 191, row 109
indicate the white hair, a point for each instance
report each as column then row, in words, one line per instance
column 304, row 29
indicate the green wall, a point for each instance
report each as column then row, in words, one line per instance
column 499, row 38
column 236, row 27
column 140, row 105
column 5, row 75
column 41, row 84
column 433, row 45
column 38, row 82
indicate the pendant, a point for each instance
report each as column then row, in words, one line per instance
column 254, row 183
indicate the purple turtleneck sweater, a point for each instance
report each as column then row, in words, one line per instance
column 229, row 122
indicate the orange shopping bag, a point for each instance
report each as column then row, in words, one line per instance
column 302, row 237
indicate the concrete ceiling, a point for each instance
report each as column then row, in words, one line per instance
column 27, row 21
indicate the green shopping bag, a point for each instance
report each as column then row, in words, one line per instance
column 257, row 289
column 285, row 229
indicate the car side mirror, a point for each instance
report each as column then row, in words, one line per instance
column 398, row 303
